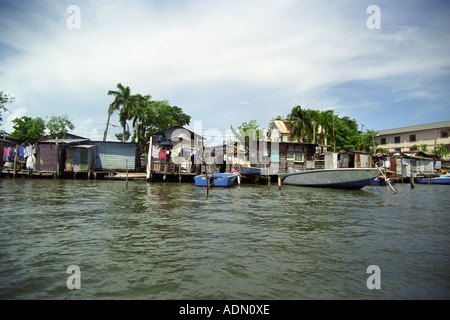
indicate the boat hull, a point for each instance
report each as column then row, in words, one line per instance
column 443, row 179
column 352, row 178
column 249, row 170
column 216, row 180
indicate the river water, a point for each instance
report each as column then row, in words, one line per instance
column 176, row 241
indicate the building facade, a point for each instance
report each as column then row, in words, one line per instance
column 419, row 137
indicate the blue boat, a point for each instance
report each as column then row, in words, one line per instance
column 216, row 180
column 442, row 179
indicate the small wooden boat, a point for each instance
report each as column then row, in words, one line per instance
column 216, row 180
column 442, row 179
column 345, row 178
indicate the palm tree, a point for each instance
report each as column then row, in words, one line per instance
column 123, row 102
column 325, row 120
column 140, row 104
column 301, row 122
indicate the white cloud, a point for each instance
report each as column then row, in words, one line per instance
column 9, row 117
column 202, row 55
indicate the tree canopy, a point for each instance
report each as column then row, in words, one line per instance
column 311, row 126
column 146, row 116
column 59, row 126
column 4, row 100
column 248, row 131
column 28, row 129
column 315, row 126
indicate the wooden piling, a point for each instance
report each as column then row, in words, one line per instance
column 15, row 162
column 165, row 170
column 126, row 167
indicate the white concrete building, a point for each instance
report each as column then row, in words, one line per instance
column 404, row 139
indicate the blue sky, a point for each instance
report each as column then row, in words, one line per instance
column 226, row 62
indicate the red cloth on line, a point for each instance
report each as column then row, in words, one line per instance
column 162, row 154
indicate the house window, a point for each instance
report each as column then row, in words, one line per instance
column 397, row 139
column 299, row 156
column 444, row 134
column 383, row 141
column 412, row 137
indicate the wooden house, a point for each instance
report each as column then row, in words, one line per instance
column 175, row 150
column 51, row 153
column 80, row 158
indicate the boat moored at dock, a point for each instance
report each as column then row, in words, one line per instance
column 442, row 179
column 343, row 178
column 216, row 180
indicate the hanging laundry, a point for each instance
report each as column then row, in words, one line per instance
column 11, row 154
column 162, row 155
column 175, row 152
column 20, row 152
column 31, row 162
column 5, row 154
column 155, row 152
column 27, row 151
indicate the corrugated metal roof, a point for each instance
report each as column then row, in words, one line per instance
column 87, row 146
column 281, row 125
column 64, row 141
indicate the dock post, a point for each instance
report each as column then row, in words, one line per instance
column 149, row 159
column 411, row 180
column 279, row 183
column 126, row 168
column 165, row 169
column 15, row 162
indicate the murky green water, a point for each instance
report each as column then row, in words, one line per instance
column 171, row 241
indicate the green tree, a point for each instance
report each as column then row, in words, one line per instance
column 325, row 121
column 4, row 100
column 149, row 116
column 314, row 126
column 248, row 131
column 146, row 116
column 123, row 103
column 59, row 126
column 367, row 141
column 441, row 150
column 28, row 129
column 300, row 122
column 346, row 134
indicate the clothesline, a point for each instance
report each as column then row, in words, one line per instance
column 165, row 154
column 25, row 153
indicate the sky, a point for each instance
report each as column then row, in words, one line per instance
column 227, row 62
